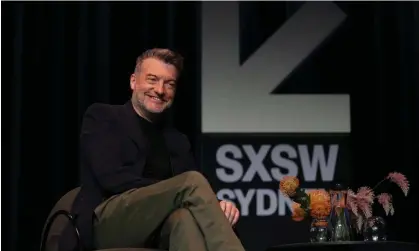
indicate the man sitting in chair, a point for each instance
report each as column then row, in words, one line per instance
column 138, row 174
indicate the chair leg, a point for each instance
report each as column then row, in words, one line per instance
column 51, row 220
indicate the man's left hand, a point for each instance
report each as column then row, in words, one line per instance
column 231, row 211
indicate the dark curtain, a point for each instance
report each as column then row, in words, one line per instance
column 385, row 105
column 61, row 57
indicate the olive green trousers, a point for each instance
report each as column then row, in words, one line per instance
column 183, row 209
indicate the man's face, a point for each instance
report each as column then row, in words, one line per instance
column 153, row 86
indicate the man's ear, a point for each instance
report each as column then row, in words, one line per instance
column 132, row 81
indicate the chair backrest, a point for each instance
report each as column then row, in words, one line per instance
column 57, row 227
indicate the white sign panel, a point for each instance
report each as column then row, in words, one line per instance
column 237, row 98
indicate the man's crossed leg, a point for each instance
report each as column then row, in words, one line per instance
column 184, row 205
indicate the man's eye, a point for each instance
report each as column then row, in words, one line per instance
column 171, row 84
column 152, row 79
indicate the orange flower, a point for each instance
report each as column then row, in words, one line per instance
column 320, row 210
column 298, row 213
column 288, row 185
column 319, row 196
column 319, row 203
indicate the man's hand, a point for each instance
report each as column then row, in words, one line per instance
column 231, row 211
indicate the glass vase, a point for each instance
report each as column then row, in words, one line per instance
column 374, row 229
column 340, row 217
column 320, row 230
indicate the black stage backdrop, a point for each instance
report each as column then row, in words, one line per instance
column 61, row 57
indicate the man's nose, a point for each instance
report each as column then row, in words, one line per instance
column 159, row 88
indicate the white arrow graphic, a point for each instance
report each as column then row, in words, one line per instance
column 237, row 99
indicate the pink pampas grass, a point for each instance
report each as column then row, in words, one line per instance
column 400, row 180
column 366, row 194
column 365, row 199
column 385, row 200
column 351, row 202
column 360, row 203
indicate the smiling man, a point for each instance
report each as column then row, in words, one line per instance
column 139, row 181
column 154, row 84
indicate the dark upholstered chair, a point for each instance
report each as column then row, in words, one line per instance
column 57, row 220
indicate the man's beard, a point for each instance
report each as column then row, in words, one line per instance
column 164, row 108
column 153, row 115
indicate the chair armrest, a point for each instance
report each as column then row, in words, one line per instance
column 51, row 220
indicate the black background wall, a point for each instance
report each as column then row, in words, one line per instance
column 58, row 58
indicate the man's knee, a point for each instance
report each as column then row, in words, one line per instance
column 195, row 178
column 178, row 216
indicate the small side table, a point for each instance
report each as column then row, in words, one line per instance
column 349, row 246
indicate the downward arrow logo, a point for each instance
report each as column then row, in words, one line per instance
column 237, row 99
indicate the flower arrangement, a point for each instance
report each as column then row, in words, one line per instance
column 314, row 204
column 360, row 203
